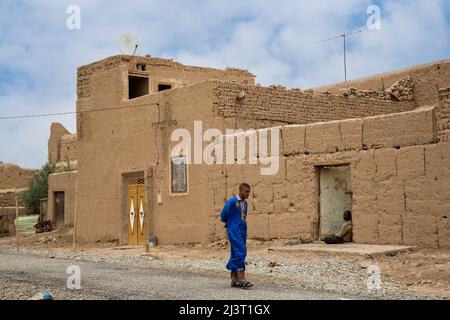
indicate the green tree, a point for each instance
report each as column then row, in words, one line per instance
column 38, row 188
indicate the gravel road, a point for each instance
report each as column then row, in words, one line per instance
column 24, row 275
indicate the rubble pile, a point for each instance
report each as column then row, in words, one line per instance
column 402, row 90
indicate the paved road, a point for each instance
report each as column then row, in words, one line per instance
column 122, row 282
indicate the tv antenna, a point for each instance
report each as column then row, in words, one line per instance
column 344, row 36
column 128, row 44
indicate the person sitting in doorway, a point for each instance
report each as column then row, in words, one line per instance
column 346, row 233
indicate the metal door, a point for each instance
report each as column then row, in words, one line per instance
column 137, row 213
column 335, row 198
column 59, row 209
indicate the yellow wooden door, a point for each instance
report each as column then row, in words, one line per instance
column 132, row 215
column 137, row 213
column 142, row 216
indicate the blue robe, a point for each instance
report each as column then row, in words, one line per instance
column 236, row 225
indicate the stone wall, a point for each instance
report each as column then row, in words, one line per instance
column 7, row 227
column 399, row 184
column 443, row 112
column 427, row 79
column 165, row 70
column 12, row 176
column 402, row 90
column 295, row 106
column 7, row 198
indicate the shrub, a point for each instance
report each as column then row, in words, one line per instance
column 38, row 188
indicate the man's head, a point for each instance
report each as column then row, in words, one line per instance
column 347, row 215
column 244, row 190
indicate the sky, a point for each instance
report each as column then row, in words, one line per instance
column 277, row 40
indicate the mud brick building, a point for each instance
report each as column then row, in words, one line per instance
column 379, row 147
column 13, row 179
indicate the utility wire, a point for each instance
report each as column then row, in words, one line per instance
column 86, row 111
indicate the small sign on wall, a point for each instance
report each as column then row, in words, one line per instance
column 179, row 174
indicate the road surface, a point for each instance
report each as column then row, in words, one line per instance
column 110, row 281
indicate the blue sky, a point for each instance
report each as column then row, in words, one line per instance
column 276, row 40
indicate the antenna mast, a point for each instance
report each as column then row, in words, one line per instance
column 344, row 36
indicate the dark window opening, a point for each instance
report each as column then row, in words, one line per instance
column 137, row 87
column 162, row 87
column 141, row 67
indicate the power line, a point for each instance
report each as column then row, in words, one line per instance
column 70, row 112
column 86, row 111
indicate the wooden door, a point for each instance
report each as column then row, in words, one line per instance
column 335, row 198
column 59, row 209
column 137, row 213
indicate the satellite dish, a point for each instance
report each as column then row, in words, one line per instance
column 128, row 45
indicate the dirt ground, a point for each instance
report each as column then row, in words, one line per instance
column 421, row 270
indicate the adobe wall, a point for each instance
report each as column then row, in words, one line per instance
column 400, row 181
column 443, row 111
column 120, row 142
column 7, row 227
column 295, row 106
column 12, row 176
column 7, row 197
column 69, row 148
column 57, row 131
column 63, row 182
column 160, row 71
column 117, row 143
column 427, row 79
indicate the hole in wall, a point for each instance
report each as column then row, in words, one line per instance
column 137, row 87
column 163, row 87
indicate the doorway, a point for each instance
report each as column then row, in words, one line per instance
column 336, row 196
column 59, row 209
column 136, row 211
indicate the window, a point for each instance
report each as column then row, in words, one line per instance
column 179, row 174
column 162, row 87
column 137, row 86
column 140, row 67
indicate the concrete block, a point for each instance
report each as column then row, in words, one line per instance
column 351, row 131
column 365, row 166
column 398, row 130
column 385, row 164
column 437, row 159
column 290, row 225
column 365, row 228
column 293, row 138
column 389, row 234
column 411, row 162
column 258, row 226
column 420, row 230
column 324, row 137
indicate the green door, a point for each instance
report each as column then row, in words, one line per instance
column 335, row 198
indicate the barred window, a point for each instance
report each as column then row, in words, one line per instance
column 179, row 174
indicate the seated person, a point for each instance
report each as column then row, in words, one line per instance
column 346, row 234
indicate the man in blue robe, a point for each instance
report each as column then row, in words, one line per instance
column 234, row 215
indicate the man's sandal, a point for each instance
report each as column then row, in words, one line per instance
column 243, row 284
